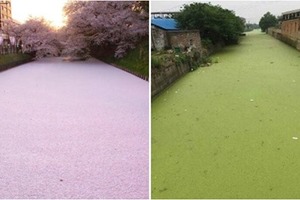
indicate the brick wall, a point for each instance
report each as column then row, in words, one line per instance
column 291, row 28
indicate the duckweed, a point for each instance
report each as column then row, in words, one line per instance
column 223, row 144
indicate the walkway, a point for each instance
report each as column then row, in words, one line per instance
column 231, row 130
column 73, row 130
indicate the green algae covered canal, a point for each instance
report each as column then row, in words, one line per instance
column 231, row 130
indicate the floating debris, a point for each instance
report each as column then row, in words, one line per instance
column 251, row 99
column 185, row 110
column 295, row 138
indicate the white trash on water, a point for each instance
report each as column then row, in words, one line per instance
column 295, row 138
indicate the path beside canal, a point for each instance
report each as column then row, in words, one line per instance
column 230, row 130
column 73, row 130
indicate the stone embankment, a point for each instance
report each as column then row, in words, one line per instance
column 292, row 41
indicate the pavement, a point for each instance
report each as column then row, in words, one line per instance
column 73, row 130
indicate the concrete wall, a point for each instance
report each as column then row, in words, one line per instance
column 158, row 38
column 163, row 78
column 286, row 38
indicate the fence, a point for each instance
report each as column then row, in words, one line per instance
column 8, row 49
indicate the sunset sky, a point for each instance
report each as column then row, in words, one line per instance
column 51, row 10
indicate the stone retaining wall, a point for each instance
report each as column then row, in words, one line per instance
column 161, row 79
column 292, row 41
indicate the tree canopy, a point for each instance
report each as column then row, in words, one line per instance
column 214, row 22
column 37, row 36
column 120, row 25
column 102, row 23
column 267, row 21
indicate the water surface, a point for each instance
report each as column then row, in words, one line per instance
column 230, row 130
column 73, row 130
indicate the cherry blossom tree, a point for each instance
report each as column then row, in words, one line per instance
column 37, row 37
column 91, row 25
column 120, row 24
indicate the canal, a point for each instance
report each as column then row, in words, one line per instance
column 231, row 130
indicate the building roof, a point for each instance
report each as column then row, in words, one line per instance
column 165, row 23
column 291, row 11
column 163, row 12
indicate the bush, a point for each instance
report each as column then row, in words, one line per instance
column 182, row 58
column 205, row 60
column 155, row 62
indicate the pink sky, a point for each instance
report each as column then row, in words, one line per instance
column 52, row 10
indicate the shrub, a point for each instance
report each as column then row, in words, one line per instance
column 156, row 62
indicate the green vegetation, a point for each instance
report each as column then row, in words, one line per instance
column 163, row 59
column 11, row 60
column 230, row 131
column 267, row 21
column 156, row 62
column 214, row 22
column 136, row 61
column 250, row 27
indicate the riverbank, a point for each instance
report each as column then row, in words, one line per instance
column 8, row 61
column 136, row 61
column 230, row 130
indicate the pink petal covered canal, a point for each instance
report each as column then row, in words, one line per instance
column 73, row 130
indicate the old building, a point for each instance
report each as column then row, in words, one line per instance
column 5, row 12
column 290, row 25
column 165, row 34
column 6, row 41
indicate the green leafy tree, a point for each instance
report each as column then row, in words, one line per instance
column 214, row 22
column 267, row 21
column 251, row 27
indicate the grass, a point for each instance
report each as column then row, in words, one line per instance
column 10, row 60
column 228, row 131
column 136, row 61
